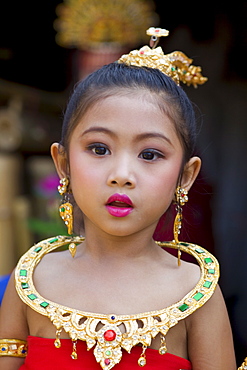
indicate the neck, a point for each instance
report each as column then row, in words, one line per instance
column 104, row 247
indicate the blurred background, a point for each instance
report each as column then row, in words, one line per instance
column 47, row 46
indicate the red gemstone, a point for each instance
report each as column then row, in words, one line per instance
column 107, row 361
column 110, row 335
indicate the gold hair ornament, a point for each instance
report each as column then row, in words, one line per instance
column 13, row 348
column 102, row 332
column 244, row 365
column 175, row 65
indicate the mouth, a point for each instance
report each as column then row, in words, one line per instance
column 119, row 205
column 119, row 200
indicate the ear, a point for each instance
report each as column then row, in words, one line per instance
column 190, row 172
column 60, row 160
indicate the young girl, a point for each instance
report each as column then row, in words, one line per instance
column 117, row 299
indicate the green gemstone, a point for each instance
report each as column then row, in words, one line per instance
column 211, row 271
column 208, row 260
column 184, row 307
column 173, row 69
column 32, row 297
column 38, row 249
column 23, row 272
column 44, row 304
column 199, row 250
column 185, row 244
column 207, row 284
column 24, row 285
column 108, row 353
column 53, row 240
column 198, row 296
column 62, row 209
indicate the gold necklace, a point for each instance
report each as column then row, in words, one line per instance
column 109, row 340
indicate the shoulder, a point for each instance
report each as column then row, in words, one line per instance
column 51, row 264
column 213, row 308
column 210, row 342
column 189, row 274
column 191, row 269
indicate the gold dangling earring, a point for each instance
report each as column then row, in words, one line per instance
column 181, row 196
column 66, row 208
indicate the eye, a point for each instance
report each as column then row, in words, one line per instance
column 151, row 154
column 98, row 149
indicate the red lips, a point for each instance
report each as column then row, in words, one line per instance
column 119, row 205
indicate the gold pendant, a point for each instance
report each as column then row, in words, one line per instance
column 74, row 353
column 142, row 360
column 163, row 348
column 72, row 249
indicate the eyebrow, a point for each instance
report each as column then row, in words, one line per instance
column 143, row 136
column 147, row 135
column 99, row 129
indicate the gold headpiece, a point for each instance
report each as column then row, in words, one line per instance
column 175, row 65
column 244, row 365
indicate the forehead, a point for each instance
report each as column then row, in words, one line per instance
column 128, row 115
column 131, row 102
column 160, row 100
column 93, row 98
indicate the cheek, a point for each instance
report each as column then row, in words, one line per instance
column 162, row 186
column 165, row 179
column 163, row 193
column 84, row 175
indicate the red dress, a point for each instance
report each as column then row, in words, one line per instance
column 42, row 355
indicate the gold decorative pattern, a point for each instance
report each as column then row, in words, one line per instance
column 175, row 65
column 13, row 348
column 109, row 340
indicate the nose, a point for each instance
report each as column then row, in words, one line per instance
column 122, row 173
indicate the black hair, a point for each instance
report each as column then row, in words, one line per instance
column 116, row 78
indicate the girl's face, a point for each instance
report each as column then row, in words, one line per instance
column 124, row 162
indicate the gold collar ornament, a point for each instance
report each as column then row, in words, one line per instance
column 175, row 65
column 117, row 332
